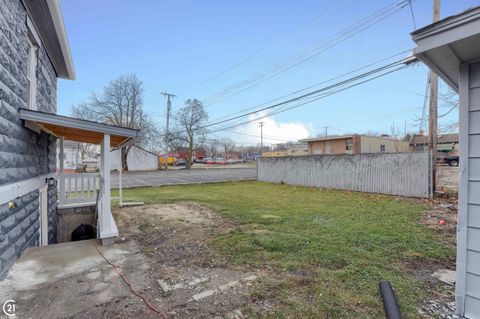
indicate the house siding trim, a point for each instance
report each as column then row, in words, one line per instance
column 462, row 224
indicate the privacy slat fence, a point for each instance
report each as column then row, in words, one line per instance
column 406, row 174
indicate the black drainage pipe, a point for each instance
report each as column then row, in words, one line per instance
column 392, row 310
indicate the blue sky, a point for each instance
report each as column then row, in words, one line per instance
column 176, row 46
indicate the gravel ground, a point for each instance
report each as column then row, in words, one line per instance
column 442, row 218
column 192, row 280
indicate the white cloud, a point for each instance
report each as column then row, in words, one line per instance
column 273, row 132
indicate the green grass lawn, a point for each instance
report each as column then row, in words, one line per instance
column 323, row 251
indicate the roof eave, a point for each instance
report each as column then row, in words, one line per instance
column 51, row 118
column 58, row 22
column 436, row 42
column 318, row 139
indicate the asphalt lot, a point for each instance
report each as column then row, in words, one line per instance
column 183, row 176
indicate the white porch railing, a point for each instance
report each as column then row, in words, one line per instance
column 78, row 188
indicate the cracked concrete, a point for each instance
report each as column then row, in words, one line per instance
column 73, row 280
column 165, row 254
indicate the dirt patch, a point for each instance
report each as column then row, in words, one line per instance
column 423, row 269
column 442, row 216
column 151, row 217
column 193, row 281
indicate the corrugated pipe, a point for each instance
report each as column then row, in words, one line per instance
column 392, row 310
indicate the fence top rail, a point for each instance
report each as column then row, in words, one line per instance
column 73, row 175
column 344, row 155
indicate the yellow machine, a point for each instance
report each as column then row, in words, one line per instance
column 169, row 160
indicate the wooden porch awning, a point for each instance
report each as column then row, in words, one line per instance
column 78, row 130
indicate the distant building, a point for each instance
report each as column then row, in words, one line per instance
column 70, row 156
column 138, row 159
column 445, row 142
column 354, row 144
column 197, row 154
column 298, row 151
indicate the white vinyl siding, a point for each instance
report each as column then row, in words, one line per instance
column 472, row 307
column 473, row 259
column 470, row 180
column 473, row 285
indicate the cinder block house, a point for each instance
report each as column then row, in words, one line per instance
column 34, row 52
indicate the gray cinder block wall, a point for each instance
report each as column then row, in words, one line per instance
column 24, row 154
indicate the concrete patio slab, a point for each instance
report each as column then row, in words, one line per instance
column 73, row 280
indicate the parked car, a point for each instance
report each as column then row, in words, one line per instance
column 199, row 161
column 221, row 161
column 181, row 163
column 452, row 160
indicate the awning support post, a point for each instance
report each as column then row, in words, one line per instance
column 120, row 192
column 61, row 177
column 107, row 227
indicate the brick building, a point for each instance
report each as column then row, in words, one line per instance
column 354, row 144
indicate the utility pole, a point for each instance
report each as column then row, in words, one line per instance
column 433, row 108
column 326, row 131
column 261, row 136
column 169, row 109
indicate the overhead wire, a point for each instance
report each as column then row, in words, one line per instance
column 317, row 84
column 309, row 101
column 309, row 53
column 313, row 96
column 396, row 63
column 265, row 48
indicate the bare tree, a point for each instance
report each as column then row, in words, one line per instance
column 213, row 147
column 121, row 104
column 83, row 148
column 228, row 145
column 189, row 122
column 449, row 102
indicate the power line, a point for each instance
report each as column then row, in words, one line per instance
column 286, row 65
column 275, row 138
column 400, row 62
column 413, row 14
column 311, row 100
column 319, row 83
column 318, row 94
column 254, row 55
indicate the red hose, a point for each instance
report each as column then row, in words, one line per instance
column 152, row 307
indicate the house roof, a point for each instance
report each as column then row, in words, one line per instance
column 48, row 20
column 446, row 44
column 146, row 151
column 442, row 139
column 325, row 138
column 341, row 137
column 75, row 129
